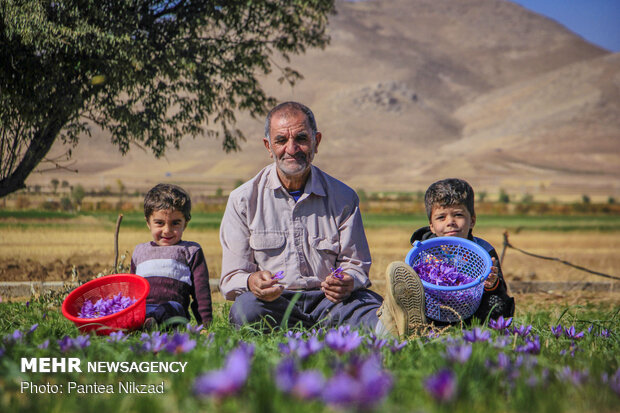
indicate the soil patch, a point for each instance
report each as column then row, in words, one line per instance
column 57, row 270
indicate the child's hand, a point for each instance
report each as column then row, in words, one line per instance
column 492, row 278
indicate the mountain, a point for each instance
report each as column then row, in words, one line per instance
column 411, row 91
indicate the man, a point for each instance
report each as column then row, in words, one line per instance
column 293, row 217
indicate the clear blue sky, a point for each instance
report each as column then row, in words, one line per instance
column 597, row 21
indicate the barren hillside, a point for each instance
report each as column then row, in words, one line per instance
column 410, row 91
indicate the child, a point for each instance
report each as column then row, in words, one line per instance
column 175, row 269
column 450, row 209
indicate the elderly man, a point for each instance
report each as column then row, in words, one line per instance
column 287, row 229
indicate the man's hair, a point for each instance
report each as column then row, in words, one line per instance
column 291, row 107
column 449, row 192
column 167, row 196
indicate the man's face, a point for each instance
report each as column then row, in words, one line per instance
column 451, row 221
column 292, row 145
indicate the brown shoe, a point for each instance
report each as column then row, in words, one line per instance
column 402, row 311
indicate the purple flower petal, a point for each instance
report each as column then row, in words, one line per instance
column 103, row 307
column 459, row 353
column 309, row 385
column 476, row 335
column 557, row 330
column 231, row 378
column 500, row 323
column 522, row 331
column 337, row 273
column 441, row 386
column 278, row 275
column 572, row 334
column 180, row 343
column 343, row 340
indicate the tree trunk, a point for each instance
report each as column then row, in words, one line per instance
column 39, row 147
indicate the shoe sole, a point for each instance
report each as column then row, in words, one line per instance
column 408, row 293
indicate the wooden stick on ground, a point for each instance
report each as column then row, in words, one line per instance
column 118, row 227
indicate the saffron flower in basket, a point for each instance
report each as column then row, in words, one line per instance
column 440, row 273
column 104, row 307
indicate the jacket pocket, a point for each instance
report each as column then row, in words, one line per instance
column 325, row 245
column 267, row 241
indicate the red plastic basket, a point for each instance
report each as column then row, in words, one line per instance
column 130, row 318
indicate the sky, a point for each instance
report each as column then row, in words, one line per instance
column 597, row 21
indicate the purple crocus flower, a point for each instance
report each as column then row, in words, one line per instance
column 502, row 364
column 343, row 340
column 531, row 346
column 116, row 336
column 458, row 353
column 231, row 378
column 309, row 385
column 44, row 345
column 362, row 385
column 155, row 342
column 194, row 329
column 341, row 390
column 285, row 374
column 503, row 361
column 304, row 385
column 67, row 343
column 570, row 333
column 557, row 330
column 576, row 377
column 500, row 323
column 309, row 347
column 376, row 342
column 303, row 349
column 613, row 381
column 441, row 386
column 278, row 275
column 105, row 306
column 15, row 337
column 501, row 342
column 605, row 333
column 32, row 328
column 180, row 343
column 522, row 331
column 440, row 273
column 337, row 273
column 476, row 335
column 398, row 346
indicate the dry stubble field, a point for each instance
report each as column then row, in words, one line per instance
column 44, row 254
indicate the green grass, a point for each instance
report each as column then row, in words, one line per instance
column 480, row 388
column 204, row 221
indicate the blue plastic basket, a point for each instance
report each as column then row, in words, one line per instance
column 442, row 302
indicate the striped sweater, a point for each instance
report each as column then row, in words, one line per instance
column 175, row 273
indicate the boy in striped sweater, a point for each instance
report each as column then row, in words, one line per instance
column 176, row 269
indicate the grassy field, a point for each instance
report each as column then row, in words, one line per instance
column 522, row 368
column 509, row 371
column 37, row 244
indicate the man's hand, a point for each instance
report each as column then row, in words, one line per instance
column 337, row 290
column 263, row 287
column 492, row 278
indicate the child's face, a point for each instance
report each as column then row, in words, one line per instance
column 451, row 221
column 166, row 226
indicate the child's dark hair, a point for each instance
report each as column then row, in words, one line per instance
column 167, row 196
column 449, row 192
